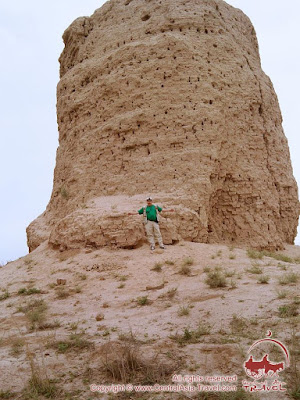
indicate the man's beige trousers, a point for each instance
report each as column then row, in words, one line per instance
column 152, row 229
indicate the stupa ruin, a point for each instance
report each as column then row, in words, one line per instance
column 167, row 98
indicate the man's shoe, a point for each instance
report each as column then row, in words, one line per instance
column 152, row 247
column 162, row 246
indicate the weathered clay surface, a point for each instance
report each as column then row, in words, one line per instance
column 105, row 222
column 168, row 98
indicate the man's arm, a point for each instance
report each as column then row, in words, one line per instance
column 160, row 209
column 141, row 211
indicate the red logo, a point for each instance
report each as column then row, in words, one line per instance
column 265, row 368
column 258, row 369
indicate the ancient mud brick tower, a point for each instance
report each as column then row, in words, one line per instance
column 167, row 97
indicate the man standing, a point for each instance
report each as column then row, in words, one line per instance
column 151, row 220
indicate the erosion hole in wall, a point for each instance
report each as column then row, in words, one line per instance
column 145, row 17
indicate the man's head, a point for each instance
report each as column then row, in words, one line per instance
column 149, row 201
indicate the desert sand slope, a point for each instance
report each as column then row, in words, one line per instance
column 73, row 318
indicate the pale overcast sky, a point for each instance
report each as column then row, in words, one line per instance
column 30, row 37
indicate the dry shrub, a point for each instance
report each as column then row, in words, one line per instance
column 216, row 279
column 123, row 362
column 39, row 383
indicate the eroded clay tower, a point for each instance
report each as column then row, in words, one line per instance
column 167, row 97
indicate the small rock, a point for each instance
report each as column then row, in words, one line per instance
column 99, row 317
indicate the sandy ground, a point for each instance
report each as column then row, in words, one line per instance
column 156, row 304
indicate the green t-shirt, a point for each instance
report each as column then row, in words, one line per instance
column 150, row 212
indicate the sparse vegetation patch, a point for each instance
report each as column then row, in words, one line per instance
column 35, row 312
column 216, row 279
column 289, row 278
column 185, row 270
column 75, row 341
column 264, row 279
column 191, row 336
column 183, row 311
column 238, row 324
column 28, row 291
column 264, row 253
column 124, row 363
column 4, row 295
column 288, row 310
column 157, row 267
column 142, row 301
column 255, row 269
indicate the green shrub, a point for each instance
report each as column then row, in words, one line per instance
column 191, row 336
column 264, row 279
column 255, row 269
column 288, row 278
column 142, row 301
column 238, row 324
column 35, row 312
column 282, row 294
column 6, row 394
column 75, row 341
column 183, row 311
column 188, row 261
column 215, row 279
column 169, row 262
column 5, row 295
column 257, row 255
column 288, row 310
column 29, row 291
